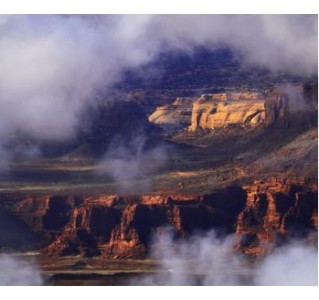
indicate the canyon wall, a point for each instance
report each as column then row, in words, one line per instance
column 275, row 211
column 176, row 115
column 221, row 110
column 242, row 109
column 261, row 214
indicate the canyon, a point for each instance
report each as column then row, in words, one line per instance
column 229, row 187
column 261, row 215
column 239, row 162
column 159, row 150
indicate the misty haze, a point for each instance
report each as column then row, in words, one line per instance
column 159, row 150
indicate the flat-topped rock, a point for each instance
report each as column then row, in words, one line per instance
column 176, row 115
column 221, row 110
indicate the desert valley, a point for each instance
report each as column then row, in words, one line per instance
column 193, row 168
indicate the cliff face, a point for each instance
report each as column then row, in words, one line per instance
column 276, row 108
column 224, row 109
column 221, row 110
column 122, row 227
column 176, row 115
column 275, row 211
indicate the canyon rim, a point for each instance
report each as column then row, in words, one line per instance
column 158, row 149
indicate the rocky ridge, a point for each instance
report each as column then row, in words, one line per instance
column 248, row 108
column 261, row 214
column 175, row 116
column 221, row 110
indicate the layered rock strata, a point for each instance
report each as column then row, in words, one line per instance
column 249, row 108
column 221, row 110
column 261, row 214
column 176, row 115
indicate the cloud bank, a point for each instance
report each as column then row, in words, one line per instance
column 294, row 264
column 52, row 67
column 18, row 271
column 205, row 259
column 130, row 164
column 276, row 42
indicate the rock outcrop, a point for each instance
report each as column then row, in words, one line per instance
column 276, row 108
column 263, row 213
column 275, row 211
column 240, row 109
column 221, row 110
column 176, row 115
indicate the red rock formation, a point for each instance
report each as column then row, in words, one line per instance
column 277, row 209
column 121, row 227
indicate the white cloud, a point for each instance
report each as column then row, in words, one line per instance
column 205, row 259
column 51, row 67
column 19, row 271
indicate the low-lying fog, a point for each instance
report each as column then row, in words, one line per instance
column 202, row 259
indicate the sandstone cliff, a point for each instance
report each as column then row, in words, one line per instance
column 176, row 115
column 275, row 211
column 211, row 111
column 263, row 213
column 221, row 110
